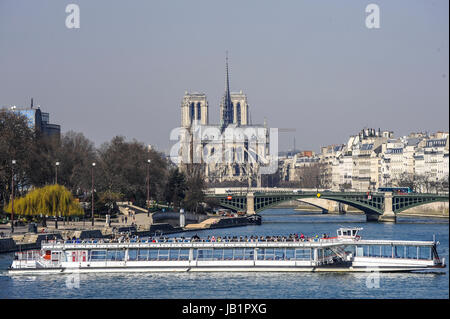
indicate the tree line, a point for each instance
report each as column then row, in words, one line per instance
column 119, row 174
column 420, row 182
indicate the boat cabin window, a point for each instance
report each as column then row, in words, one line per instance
column 142, row 254
column 303, row 254
column 425, row 252
column 173, row 254
column 290, row 254
column 204, row 254
column 279, row 254
column 120, row 255
column 344, row 232
column 399, row 252
column 269, row 254
column 265, row 254
column 319, row 253
column 115, row 254
column 249, row 254
column 238, row 254
column 374, row 251
column 184, row 254
column 411, row 252
column 97, row 255
column 386, row 251
column 228, row 254
column 218, row 254
column 153, row 254
column 359, row 251
column 132, row 254
column 111, row 255
column 163, row 254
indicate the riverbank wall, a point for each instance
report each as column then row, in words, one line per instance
column 7, row 245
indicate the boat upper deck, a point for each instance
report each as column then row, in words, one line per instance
column 316, row 243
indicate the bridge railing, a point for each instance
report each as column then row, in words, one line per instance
column 226, row 190
column 245, row 190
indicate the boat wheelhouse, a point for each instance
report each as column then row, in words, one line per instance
column 348, row 233
column 346, row 253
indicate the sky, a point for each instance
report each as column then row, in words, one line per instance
column 309, row 65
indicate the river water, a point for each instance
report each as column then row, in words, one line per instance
column 256, row 285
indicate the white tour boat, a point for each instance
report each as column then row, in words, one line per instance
column 347, row 252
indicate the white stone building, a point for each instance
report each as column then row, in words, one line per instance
column 233, row 150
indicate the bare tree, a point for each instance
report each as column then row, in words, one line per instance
column 312, row 176
column 424, row 182
column 16, row 142
column 345, row 186
column 445, row 184
column 406, row 180
column 195, row 185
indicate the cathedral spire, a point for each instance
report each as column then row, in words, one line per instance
column 227, row 108
column 227, row 88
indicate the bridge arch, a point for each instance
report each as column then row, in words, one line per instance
column 400, row 204
column 373, row 205
column 304, row 201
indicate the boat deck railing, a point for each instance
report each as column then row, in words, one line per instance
column 28, row 255
column 177, row 241
column 317, row 242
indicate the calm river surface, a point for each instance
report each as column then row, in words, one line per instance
column 255, row 285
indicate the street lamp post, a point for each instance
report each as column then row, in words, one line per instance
column 148, row 187
column 56, row 172
column 12, row 195
column 92, row 200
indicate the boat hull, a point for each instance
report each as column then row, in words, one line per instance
column 133, row 269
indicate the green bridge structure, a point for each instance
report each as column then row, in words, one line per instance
column 377, row 206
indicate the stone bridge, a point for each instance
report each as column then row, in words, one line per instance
column 376, row 205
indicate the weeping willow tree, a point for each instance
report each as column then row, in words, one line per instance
column 52, row 200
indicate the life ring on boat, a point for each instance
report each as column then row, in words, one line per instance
column 357, row 237
column 47, row 255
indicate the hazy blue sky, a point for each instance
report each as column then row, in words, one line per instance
column 310, row 65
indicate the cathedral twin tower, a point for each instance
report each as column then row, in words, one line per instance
column 233, row 108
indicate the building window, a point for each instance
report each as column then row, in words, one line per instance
column 231, row 115
column 191, row 111
column 199, row 112
column 238, row 113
